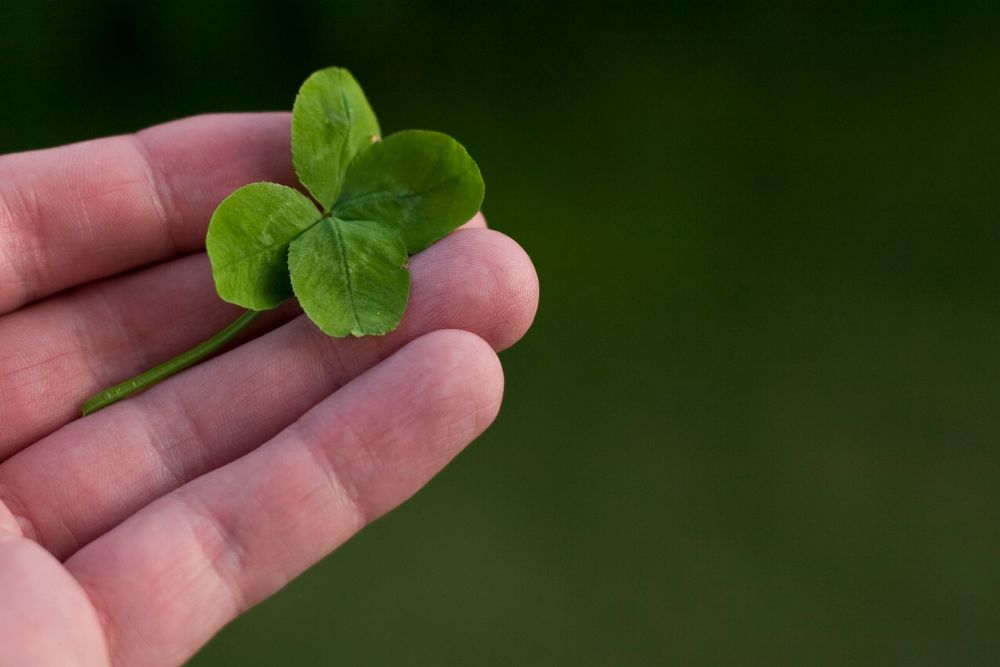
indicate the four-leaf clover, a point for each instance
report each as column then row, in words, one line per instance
column 374, row 202
column 343, row 251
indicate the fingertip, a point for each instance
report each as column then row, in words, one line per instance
column 509, row 283
column 516, row 304
column 479, row 280
column 470, row 369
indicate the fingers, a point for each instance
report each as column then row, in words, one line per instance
column 138, row 450
column 233, row 537
column 75, row 213
column 57, row 352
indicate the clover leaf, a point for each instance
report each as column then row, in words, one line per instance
column 331, row 123
column 342, row 249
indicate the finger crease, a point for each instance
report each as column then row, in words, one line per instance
column 22, row 247
column 7, row 256
column 173, row 452
column 94, row 339
column 343, row 486
column 163, row 193
column 220, row 548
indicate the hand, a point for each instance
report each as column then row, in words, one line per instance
column 133, row 535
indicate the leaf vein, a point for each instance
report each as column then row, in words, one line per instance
column 388, row 194
column 347, row 271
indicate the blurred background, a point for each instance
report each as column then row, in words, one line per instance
column 756, row 421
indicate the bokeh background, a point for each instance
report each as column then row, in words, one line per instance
column 756, row 421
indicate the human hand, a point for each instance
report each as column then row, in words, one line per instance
column 133, row 535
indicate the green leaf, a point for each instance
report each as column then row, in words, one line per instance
column 423, row 183
column 248, row 239
column 350, row 277
column 331, row 122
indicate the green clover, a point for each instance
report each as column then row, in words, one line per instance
column 343, row 252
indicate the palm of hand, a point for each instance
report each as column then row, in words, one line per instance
column 132, row 536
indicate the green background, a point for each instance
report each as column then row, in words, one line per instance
column 756, row 420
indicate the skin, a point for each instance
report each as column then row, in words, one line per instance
column 133, row 535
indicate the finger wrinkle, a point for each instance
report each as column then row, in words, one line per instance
column 18, row 375
column 219, row 546
column 315, row 436
column 15, row 206
column 33, row 386
column 8, row 270
column 176, row 439
column 124, row 333
column 474, row 416
column 334, row 363
column 157, row 183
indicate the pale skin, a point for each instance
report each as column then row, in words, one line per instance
column 130, row 537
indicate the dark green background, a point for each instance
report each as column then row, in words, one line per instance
column 756, row 420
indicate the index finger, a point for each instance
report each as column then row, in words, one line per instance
column 76, row 213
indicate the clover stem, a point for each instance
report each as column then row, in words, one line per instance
column 163, row 371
